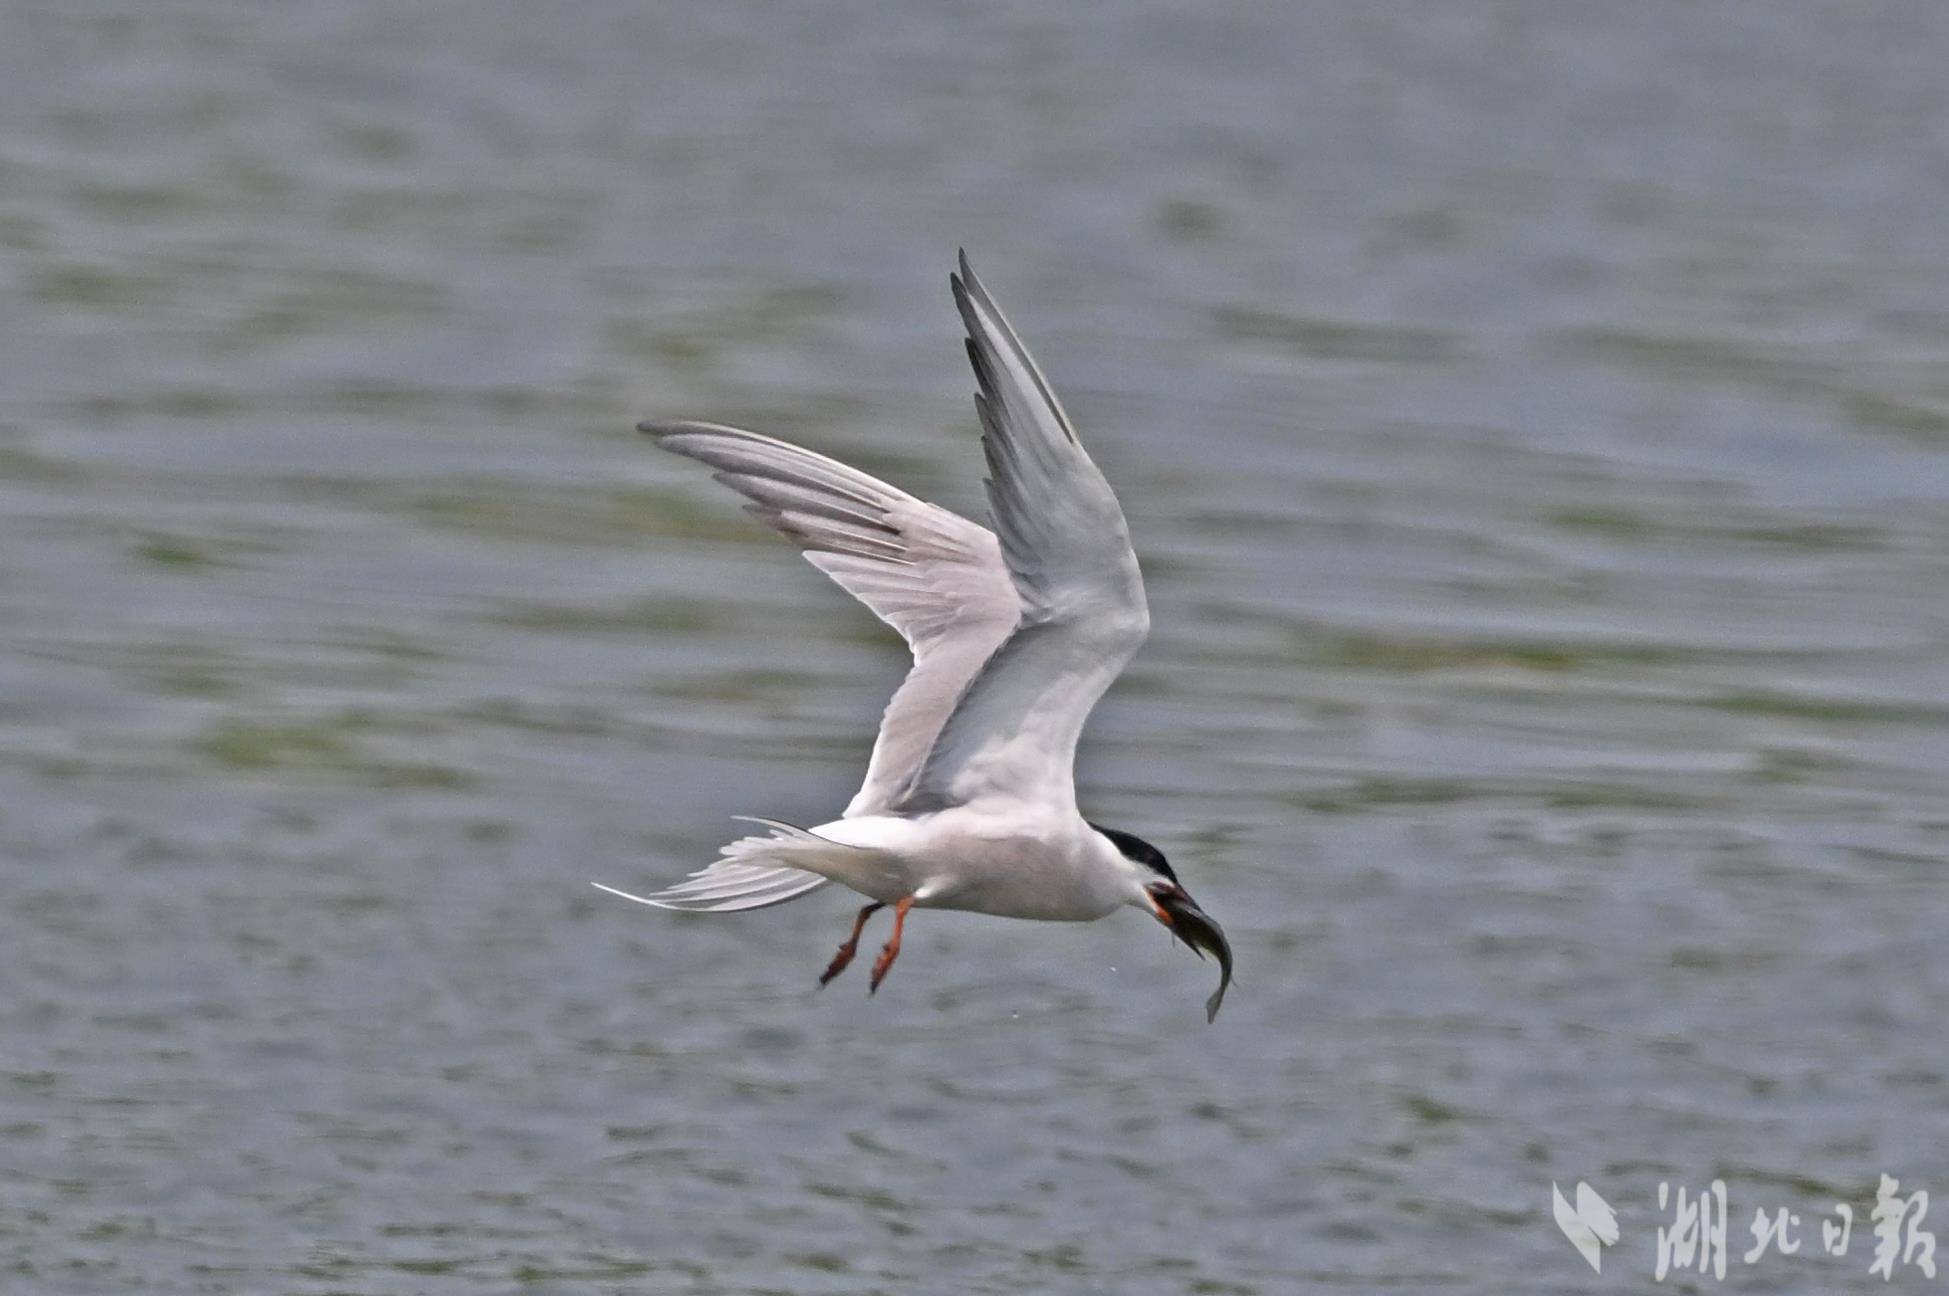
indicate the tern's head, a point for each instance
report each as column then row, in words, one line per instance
column 1156, row 890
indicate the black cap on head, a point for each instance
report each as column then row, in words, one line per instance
column 1136, row 848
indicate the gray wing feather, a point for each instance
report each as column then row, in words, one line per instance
column 935, row 577
column 1063, row 536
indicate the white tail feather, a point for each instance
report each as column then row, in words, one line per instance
column 750, row 873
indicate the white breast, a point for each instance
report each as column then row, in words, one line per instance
column 998, row 860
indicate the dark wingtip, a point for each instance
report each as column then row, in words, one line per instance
column 966, row 282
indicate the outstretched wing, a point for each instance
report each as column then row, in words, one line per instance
column 932, row 575
column 1062, row 534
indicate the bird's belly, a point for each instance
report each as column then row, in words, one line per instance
column 956, row 860
column 1039, row 908
column 1026, row 886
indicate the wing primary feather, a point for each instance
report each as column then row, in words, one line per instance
column 968, row 289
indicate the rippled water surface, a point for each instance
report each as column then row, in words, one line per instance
column 1535, row 425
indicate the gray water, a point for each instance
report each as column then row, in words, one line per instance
column 1535, row 424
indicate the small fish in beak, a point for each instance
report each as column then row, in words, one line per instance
column 1176, row 910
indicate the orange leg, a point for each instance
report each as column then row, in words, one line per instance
column 891, row 950
column 851, row 947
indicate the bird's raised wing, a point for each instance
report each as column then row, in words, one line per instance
column 932, row 575
column 1063, row 537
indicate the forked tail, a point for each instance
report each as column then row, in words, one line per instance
column 753, row 872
